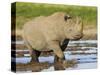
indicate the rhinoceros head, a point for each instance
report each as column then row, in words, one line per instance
column 73, row 27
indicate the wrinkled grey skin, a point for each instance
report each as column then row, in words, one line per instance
column 51, row 33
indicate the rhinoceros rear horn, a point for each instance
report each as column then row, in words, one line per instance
column 67, row 17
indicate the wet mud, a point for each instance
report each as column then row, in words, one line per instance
column 37, row 67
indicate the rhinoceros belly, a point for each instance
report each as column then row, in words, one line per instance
column 36, row 40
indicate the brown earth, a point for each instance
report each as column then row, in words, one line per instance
column 33, row 66
column 36, row 67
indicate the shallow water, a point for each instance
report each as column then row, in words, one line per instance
column 70, row 42
column 80, row 58
column 85, row 53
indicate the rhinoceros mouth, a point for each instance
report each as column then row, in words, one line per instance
column 77, row 37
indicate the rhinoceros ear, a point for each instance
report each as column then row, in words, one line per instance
column 67, row 17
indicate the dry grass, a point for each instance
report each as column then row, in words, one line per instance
column 90, row 33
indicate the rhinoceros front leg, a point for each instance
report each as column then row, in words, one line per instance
column 63, row 46
column 59, row 64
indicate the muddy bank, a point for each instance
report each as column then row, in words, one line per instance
column 33, row 66
column 36, row 67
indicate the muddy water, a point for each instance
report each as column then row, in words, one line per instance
column 85, row 52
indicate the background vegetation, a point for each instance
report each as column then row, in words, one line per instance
column 27, row 11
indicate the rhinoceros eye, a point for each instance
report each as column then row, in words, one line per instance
column 67, row 17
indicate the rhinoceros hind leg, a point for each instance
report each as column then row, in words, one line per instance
column 34, row 55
